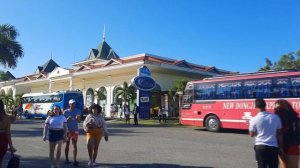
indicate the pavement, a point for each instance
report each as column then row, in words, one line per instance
column 143, row 146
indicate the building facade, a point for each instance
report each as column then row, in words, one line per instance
column 100, row 74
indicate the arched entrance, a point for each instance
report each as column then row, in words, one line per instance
column 101, row 94
column 89, row 97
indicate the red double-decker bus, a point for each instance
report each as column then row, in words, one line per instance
column 228, row 101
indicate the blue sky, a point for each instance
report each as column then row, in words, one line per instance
column 235, row 35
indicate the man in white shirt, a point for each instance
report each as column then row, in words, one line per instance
column 266, row 127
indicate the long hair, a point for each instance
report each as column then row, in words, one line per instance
column 285, row 111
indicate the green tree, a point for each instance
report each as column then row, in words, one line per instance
column 8, row 102
column 126, row 93
column 286, row 61
column 178, row 86
column 17, row 98
column 10, row 49
column 3, row 76
column 101, row 94
column 268, row 65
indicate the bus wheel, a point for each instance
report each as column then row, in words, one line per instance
column 212, row 124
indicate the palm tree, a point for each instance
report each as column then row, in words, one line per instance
column 126, row 93
column 101, row 94
column 18, row 98
column 10, row 49
column 8, row 101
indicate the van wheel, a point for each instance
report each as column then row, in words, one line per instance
column 212, row 124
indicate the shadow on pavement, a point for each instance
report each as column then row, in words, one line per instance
column 153, row 165
column 27, row 133
column 229, row 131
column 41, row 162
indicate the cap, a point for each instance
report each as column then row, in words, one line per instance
column 72, row 101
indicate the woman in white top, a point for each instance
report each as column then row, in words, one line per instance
column 95, row 127
column 55, row 130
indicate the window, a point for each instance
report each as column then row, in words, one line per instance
column 229, row 90
column 188, row 94
column 295, row 90
column 281, row 87
column 204, row 91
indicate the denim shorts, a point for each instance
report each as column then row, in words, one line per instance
column 55, row 135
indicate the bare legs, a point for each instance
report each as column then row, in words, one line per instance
column 93, row 145
column 74, row 150
column 52, row 145
column 289, row 161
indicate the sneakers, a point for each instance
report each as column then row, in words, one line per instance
column 90, row 164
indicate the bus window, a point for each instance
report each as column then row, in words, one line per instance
column 248, row 89
column 281, row 87
column 295, row 90
column 263, row 89
column 228, row 90
column 204, row 92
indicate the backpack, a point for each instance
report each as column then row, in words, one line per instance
column 293, row 134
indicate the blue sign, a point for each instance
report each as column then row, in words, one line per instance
column 144, row 103
column 144, row 83
column 144, row 71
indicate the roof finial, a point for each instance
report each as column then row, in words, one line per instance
column 103, row 36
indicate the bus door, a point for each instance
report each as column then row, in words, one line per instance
column 186, row 114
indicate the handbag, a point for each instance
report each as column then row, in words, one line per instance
column 14, row 162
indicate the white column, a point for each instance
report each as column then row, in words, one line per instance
column 71, row 84
column 83, row 91
column 166, row 99
column 109, row 96
column 50, row 86
column 14, row 91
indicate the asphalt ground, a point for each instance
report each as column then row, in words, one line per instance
column 149, row 145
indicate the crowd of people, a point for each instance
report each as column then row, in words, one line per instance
column 276, row 142
column 63, row 127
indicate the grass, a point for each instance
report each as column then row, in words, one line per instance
column 171, row 122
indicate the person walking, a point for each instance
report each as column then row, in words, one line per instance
column 5, row 135
column 266, row 128
column 19, row 110
column 73, row 117
column 160, row 113
column 290, row 156
column 95, row 127
column 126, row 113
column 56, row 130
column 136, row 110
column 164, row 115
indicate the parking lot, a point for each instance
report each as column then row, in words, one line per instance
column 154, row 145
